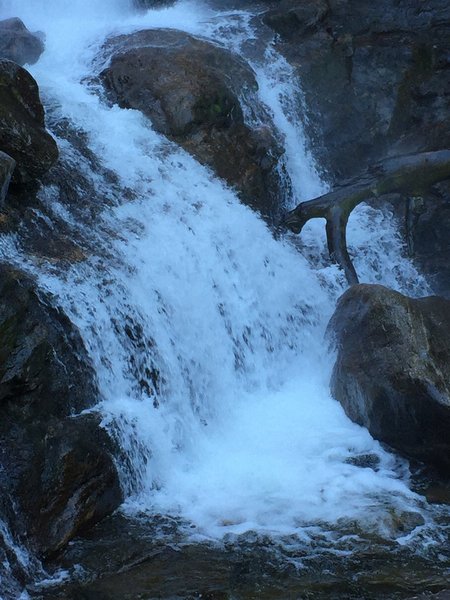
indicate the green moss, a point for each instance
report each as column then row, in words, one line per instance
column 215, row 109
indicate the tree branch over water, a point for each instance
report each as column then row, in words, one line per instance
column 410, row 176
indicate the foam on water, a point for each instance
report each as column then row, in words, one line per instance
column 198, row 298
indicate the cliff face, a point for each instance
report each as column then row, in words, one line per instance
column 376, row 78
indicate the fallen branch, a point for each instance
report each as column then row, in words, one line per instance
column 411, row 176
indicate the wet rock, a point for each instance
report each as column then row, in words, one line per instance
column 298, row 17
column 18, row 44
column 57, row 465
column 191, row 89
column 428, row 220
column 376, row 79
column 375, row 76
column 392, row 373
column 443, row 595
column 22, row 128
column 365, row 461
column 148, row 4
column 7, row 165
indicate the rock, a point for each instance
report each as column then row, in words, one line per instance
column 190, row 90
column 430, row 239
column 56, row 466
column 298, row 17
column 18, row 44
column 376, row 80
column 443, row 595
column 392, row 372
column 148, row 4
column 22, row 128
column 375, row 76
column 7, row 165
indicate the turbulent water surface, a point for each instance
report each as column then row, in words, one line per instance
column 185, row 289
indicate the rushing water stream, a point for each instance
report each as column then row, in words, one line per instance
column 184, row 288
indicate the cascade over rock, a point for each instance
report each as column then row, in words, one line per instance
column 22, row 127
column 375, row 75
column 18, row 44
column 190, row 90
column 392, row 373
column 376, row 80
column 57, row 465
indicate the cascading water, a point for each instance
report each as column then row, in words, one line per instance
column 207, row 334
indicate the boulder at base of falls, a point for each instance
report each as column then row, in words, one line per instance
column 392, row 372
column 191, row 89
column 18, row 44
column 22, row 127
column 57, row 465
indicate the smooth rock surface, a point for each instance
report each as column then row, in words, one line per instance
column 18, row 44
column 392, row 373
column 22, row 127
column 190, row 90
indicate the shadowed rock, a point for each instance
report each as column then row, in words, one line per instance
column 7, row 165
column 22, row 128
column 56, row 464
column 392, row 373
column 18, row 44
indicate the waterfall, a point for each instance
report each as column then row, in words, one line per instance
column 206, row 332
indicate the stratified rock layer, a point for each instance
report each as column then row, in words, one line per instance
column 392, row 373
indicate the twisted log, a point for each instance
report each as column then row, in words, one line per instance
column 410, row 176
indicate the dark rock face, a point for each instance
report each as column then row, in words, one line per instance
column 18, row 44
column 57, row 466
column 190, row 90
column 147, row 4
column 376, row 77
column 7, row 165
column 392, row 373
column 22, row 127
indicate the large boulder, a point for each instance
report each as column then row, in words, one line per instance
column 18, row 44
column 190, row 89
column 22, row 127
column 56, row 463
column 392, row 372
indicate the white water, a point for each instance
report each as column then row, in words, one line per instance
column 242, row 433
